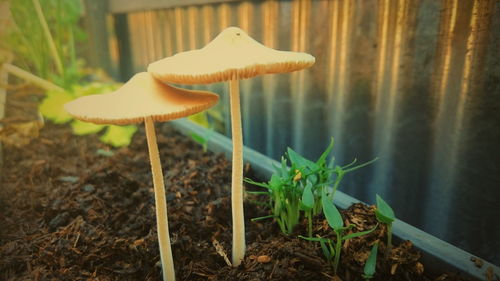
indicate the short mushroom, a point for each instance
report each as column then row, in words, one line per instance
column 231, row 56
column 144, row 98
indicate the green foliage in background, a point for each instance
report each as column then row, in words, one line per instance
column 52, row 109
column 26, row 40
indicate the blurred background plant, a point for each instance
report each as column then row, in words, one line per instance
column 41, row 36
column 26, row 38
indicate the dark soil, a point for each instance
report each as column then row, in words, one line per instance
column 69, row 212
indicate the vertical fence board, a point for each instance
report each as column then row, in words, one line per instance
column 96, row 26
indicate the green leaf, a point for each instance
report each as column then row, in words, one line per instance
column 94, row 88
column 323, row 156
column 315, row 239
column 325, row 250
column 308, row 197
column 284, row 167
column 358, row 234
column 257, row 192
column 371, row 262
column 313, row 178
column 331, row 213
column 384, row 212
column 250, row 181
column 118, row 135
column 200, row 119
column 275, row 182
column 84, row 128
column 300, row 161
column 52, row 106
column 263, row 218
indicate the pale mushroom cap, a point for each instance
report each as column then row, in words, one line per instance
column 232, row 54
column 142, row 96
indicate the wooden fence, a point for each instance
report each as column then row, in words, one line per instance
column 414, row 82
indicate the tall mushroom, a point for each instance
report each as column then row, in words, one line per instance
column 231, row 56
column 144, row 98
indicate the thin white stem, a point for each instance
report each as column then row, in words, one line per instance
column 237, row 177
column 167, row 262
column 23, row 74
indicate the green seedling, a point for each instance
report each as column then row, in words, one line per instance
column 284, row 198
column 313, row 174
column 385, row 214
column 332, row 249
column 298, row 189
column 371, row 263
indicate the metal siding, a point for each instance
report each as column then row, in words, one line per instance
column 414, row 82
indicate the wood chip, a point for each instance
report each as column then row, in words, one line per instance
column 419, row 268
column 263, row 259
column 393, row 268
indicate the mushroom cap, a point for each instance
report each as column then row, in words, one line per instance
column 142, row 96
column 232, row 54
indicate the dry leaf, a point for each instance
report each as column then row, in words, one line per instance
column 20, row 134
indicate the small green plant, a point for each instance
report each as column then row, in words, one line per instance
column 385, row 215
column 371, row 263
column 297, row 189
column 52, row 109
column 332, row 249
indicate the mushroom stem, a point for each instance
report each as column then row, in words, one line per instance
column 167, row 262
column 237, row 175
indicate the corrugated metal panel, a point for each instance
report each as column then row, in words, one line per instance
column 415, row 83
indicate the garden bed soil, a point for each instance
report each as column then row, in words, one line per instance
column 71, row 209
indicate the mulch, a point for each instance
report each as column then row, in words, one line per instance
column 72, row 209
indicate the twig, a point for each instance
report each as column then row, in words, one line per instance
column 221, row 251
column 23, row 74
column 272, row 271
column 50, row 40
column 76, row 240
